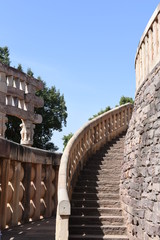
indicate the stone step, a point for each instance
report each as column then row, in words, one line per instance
column 94, row 189
column 97, row 229
column 109, row 165
column 92, row 211
column 98, row 237
column 96, row 220
column 110, row 203
column 91, row 183
column 96, row 209
column 92, row 196
column 115, row 157
column 106, row 177
column 105, row 171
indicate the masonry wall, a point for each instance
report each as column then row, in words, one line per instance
column 140, row 181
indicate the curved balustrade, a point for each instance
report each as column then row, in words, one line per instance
column 85, row 142
column 148, row 52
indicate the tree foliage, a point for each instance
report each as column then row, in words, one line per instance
column 13, row 129
column 20, row 67
column 54, row 115
column 124, row 100
column 102, row 111
column 29, row 72
column 66, row 139
column 4, row 55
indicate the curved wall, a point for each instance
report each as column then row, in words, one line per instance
column 140, row 182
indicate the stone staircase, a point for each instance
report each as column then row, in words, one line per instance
column 96, row 209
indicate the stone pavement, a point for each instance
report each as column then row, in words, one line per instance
column 43, row 229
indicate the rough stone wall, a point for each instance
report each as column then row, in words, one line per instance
column 140, row 181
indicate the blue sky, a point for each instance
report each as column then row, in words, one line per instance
column 86, row 48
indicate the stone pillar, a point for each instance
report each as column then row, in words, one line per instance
column 158, row 27
column 3, row 120
column 27, row 132
column 3, row 91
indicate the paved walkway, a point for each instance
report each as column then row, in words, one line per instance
column 43, row 229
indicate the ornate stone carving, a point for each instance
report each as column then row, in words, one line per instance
column 17, row 98
column 27, row 132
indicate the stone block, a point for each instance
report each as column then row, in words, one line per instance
column 150, row 228
column 149, row 215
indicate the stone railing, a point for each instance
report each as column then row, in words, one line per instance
column 84, row 143
column 28, row 183
column 148, row 52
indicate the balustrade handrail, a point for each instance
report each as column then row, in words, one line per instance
column 28, row 183
column 85, row 142
column 148, row 51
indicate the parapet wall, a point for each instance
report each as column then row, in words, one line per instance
column 28, row 183
column 140, row 182
column 148, row 52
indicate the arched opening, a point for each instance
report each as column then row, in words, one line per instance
column 13, row 129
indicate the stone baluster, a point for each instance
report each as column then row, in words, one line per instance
column 155, row 37
column 146, row 56
column 37, row 197
column 150, row 42
column 143, row 61
column 48, row 195
column 5, row 167
column 158, row 33
column 27, row 192
column 16, row 187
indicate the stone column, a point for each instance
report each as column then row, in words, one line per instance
column 27, row 132
column 3, row 92
column 3, row 120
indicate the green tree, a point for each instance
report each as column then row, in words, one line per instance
column 13, row 129
column 101, row 112
column 29, row 72
column 54, row 115
column 124, row 100
column 4, row 55
column 20, row 67
column 66, row 139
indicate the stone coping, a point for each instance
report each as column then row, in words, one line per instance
column 14, row 151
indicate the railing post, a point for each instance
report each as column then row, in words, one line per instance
column 16, row 187
column 27, row 186
column 48, row 196
column 38, row 190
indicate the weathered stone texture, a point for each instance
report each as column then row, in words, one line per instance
column 140, row 181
